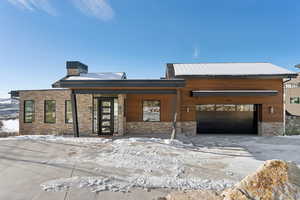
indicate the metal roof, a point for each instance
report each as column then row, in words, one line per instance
column 230, row 69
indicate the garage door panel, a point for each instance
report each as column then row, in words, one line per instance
column 226, row 119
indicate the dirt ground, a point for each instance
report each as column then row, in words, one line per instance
column 49, row 167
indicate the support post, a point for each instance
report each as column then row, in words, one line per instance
column 74, row 114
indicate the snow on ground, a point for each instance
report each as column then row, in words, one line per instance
column 10, row 126
column 202, row 162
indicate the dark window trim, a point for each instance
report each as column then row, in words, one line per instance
column 66, row 121
column 24, row 112
column 45, row 112
column 143, row 109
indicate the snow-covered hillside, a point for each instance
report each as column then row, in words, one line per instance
column 9, row 108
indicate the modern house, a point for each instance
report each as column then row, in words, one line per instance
column 292, row 105
column 228, row 98
column 292, row 95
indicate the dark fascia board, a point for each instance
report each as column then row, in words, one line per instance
column 222, row 93
column 83, row 91
column 121, row 83
column 259, row 76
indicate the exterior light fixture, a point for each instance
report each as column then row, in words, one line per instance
column 271, row 109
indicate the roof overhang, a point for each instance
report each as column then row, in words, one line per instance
column 256, row 76
column 208, row 93
column 119, row 83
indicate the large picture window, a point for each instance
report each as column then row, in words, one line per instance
column 50, row 111
column 68, row 112
column 151, row 110
column 28, row 111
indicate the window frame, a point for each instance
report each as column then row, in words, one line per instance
column 24, row 112
column 66, row 121
column 143, row 109
column 45, row 118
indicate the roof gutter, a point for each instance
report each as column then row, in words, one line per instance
column 118, row 83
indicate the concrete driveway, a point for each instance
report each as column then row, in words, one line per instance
column 27, row 163
column 24, row 166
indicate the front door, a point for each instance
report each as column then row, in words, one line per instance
column 106, row 116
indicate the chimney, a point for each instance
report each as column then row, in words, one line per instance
column 75, row 68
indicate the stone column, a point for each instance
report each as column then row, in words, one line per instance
column 121, row 114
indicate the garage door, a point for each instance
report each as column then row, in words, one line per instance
column 227, row 119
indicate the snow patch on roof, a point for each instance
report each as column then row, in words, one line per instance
column 234, row 69
column 99, row 76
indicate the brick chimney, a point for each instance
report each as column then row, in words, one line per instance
column 74, row 68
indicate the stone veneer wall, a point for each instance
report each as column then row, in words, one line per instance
column 270, row 128
column 292, row 125
column 38, row 126
column 148, row 127
column 85, row 113
column 188, row 128
column 84, row 109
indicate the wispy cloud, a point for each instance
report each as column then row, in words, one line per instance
column 100, row 9
column 34, row 5
column 196, row 53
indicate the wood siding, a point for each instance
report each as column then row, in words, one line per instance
column 188, row 103
column 134, row 106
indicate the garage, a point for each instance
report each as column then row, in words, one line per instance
column 226, row 119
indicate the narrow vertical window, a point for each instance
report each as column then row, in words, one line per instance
column 28, row 111
column 151, row 111
column 50, row 111
column 68, row 112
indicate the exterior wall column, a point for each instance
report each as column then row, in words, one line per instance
column 121, row 114
column 74, row 114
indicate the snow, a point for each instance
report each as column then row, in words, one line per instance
column 141, row 163
column 10, row 126
column 229, row 69
column 191, row 163
column 98, row 76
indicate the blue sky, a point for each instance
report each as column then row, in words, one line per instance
column 140, row 36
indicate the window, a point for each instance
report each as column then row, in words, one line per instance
column 50, row 111
column 28, row 111
column 295, row 100
column 68, row 112
column 225, row 107
column 151, row 111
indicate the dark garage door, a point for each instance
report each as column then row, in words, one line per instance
column 227, row 119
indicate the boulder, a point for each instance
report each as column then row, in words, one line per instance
column 275, row 180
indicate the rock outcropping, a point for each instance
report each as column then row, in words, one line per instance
column 275, row 180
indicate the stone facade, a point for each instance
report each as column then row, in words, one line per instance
column 188, row 128
column 85, row 113
column 121, row 114
column 270, row 128
column 38, row 126
column 148, row 127
column 292, row 125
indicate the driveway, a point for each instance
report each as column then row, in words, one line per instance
column 140, row 168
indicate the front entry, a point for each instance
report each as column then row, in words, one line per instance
column 106, row 116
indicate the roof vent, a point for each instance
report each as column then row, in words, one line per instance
column 75, row 68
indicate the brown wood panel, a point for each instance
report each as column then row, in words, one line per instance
column 188, row 103
column 134, row 106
